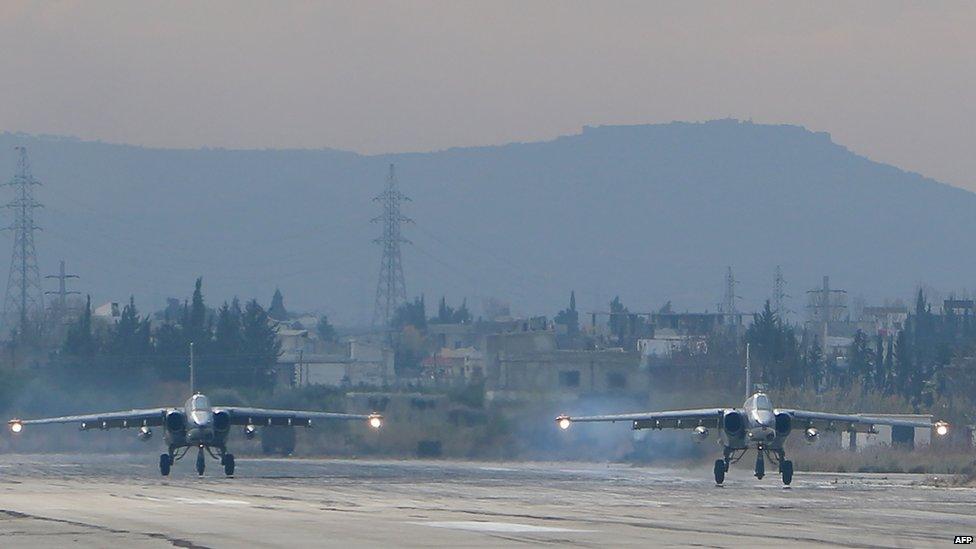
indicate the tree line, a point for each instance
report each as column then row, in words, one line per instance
column 234, row 345
column 930, row 362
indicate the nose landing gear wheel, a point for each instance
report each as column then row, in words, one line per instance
column 165, row 462
column 760, row 466
column 719, row 471
column 201, row 462
column 787, row 468
column 228, row 462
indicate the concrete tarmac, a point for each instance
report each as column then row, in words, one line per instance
column 121, row 501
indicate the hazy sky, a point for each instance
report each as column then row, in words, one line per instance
column 894, row 81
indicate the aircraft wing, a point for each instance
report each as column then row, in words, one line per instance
column 669, row 419
column 863, row 423
column 264, row 416
column 150, row 417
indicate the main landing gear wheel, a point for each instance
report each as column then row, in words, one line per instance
column 201, row 462
column 787, row 468
column 228, row 462
column 165, row 462
column 760, row 465
column 720, row 471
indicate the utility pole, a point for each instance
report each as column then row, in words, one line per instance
column 780, row 295
column 391, row 290
column 24, row 293
column 748, row 374
column 62, row 293
column 825, row 305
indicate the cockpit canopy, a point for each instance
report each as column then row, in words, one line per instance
column 199, row 402
column 759, row 401
column 198, row 410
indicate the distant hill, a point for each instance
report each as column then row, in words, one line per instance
column 651, row 212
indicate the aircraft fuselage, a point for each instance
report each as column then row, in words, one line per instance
column 195, row 425
column 759, row 426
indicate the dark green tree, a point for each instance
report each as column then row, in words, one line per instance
column 861, row 361
column 569, row 317
column 325, row 329
column 449, row 315
column 619, row 319
column 879, row 375
column 462, row 315
column 813, row 364
column 226, row 361
column 172, row 352
column 79, row 341
column 130, row 340
column 195, row 325
column 259, row 347
column 889, row 366
column 445, row 313
column 412, row 313
column 774, row 348
column 904, row 363
column 277, row 309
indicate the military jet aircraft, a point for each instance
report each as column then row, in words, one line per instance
column 196, row 425
column 757, row 425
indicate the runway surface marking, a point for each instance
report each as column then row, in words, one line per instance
column 197, row 501
column 486, row 526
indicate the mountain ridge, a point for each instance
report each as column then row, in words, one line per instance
column 653, row 212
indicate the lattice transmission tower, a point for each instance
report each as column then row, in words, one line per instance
column 779, row 295
column 729, row 298
column 391, row 290
column 728, row 306
column 24, row 301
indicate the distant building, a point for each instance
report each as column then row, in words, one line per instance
column 666, row 342
column 305, row 360
column 959, row 307
column 110, row 311
column 455, row 336
column 519, row 371
column 696, row 324
column 476, row 334
column 885, row 320
column 837, row 347
column 454, row 366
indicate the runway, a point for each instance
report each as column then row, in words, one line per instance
column 121, row 501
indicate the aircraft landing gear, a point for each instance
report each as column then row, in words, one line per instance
column 227, row 460
column 165, row 462
column 787, row 469
column 785, row 465
column 720, row 468
column 722, row 465
column 201, row 462
column 760, row 464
